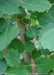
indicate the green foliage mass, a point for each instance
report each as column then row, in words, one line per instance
column 23, row 25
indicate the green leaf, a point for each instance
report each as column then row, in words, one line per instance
column 52, row 56
column 45, row 52
column 51, row 10
column 47, row 17
column 35, row 5
column 1, row 55
column 46, row 36
column 28, row 38
column 9, row 34
column 17, row 44
column 44, row 65
column 1, row 14
column 12, row 57
column 12, row 7
column 2, row 24
column 29, row 46
column 3, row 66
column 36, row 54
column 9, row 6
column 16, row 71
column 51, row 1
column 23, row 13
column 45, row 28
column 32, row 32
column 33, row 22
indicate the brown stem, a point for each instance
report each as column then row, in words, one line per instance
column 27, row 55
column 22, row 26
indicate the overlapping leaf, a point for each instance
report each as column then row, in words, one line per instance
column 2, row 24
column 45, row 52
column 46, row 35
column 36, row 54
column 48, row 17
column 12, row 6
column 32, row 32
column 3, row 66
column 29, row 46
column 1, row 54
column 51, row 1
column 35, row 5
column 44, row 65
column 17, row 71
column 9, row 34
column 17, row 44
column 12, row 57
column 9, row 6
column 1, row 14
column 52, row 56
column 51, row 10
